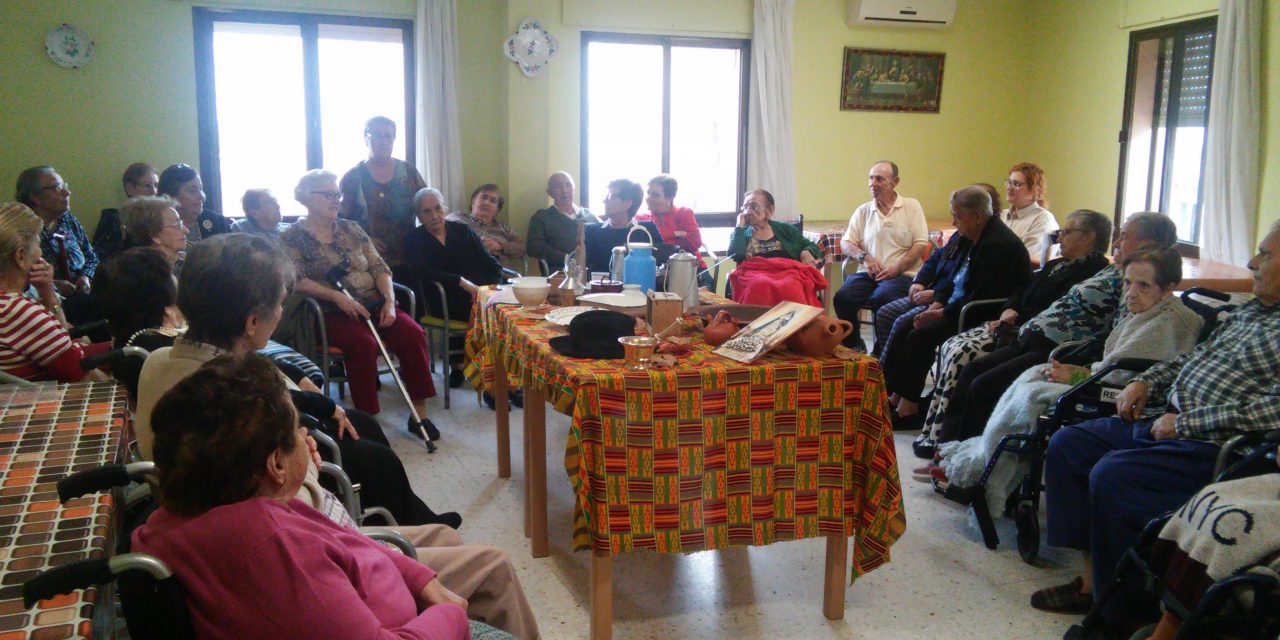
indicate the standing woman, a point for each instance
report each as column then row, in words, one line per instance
column 498, row 239
column 320, row 243
column 182, row 183
column 376, row 193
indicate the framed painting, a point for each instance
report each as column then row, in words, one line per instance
column 885, row 80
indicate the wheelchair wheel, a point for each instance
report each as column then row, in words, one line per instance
column 1027, row 517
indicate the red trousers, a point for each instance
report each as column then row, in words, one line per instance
column 405, row 338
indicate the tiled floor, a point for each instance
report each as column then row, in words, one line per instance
column 941, row 583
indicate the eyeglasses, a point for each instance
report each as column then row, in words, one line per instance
column 57, row 186
column 332, row 195
column 484, row 197
column 384, row 137
column 1015, row 184
column 751, row 206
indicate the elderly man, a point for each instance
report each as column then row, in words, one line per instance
column 997, row 265
column 1087, row 311
column 64, row 242
column 261, row 214
column 553, row 231
column 620, row 206
column 887, row 236
column 1106, row 478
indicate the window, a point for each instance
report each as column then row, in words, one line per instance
column 1166, row 112
column 281, row 93
column 654, row 104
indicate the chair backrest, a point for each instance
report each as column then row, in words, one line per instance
column 1212, row 313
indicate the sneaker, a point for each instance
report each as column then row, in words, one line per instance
column 1064, row 598
column 456, row 378
column 432, row 432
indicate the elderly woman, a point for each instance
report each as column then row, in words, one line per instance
column 1156, row 326
column 140, row 179
column 498, row 238
column 34, row 343
column 1026, row 215
column 450, row 253
column 64, row 242
column 1084, row 246
column 230, row 292
column 376, row 193
column 153, row 221
column 757, row 235
column 996, row 267
column 323, row 246
column 261, row 214
column 182, row 183
column 252, row 558
column 1087, row 310
column 554, row 231
column 620, row 206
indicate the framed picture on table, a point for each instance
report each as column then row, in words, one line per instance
column 886, row 80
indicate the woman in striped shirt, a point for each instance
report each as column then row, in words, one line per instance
column 34, row 343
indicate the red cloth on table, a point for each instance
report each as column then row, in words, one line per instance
column 768, row 281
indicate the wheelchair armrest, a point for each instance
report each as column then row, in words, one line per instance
column 1068, row 348
column 975, row 304
column 1224, row 469
column 546, row 268
column 1062, row 405
column 86, row 573
column 86, row 328
column 1206, row 293
column 323, row 441
column 103, row 478
column 114, row 355
column 395, row 539
column 346, row 491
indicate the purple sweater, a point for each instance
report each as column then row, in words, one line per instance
column 259, row 568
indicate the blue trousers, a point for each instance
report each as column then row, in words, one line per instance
column 1105, row 479
column 861, row 290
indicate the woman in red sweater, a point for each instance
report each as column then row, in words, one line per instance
column 34, row 343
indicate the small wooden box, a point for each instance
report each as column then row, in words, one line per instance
column 662, row 309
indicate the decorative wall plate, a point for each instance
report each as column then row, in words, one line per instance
column 68, row 46
column 531, row 47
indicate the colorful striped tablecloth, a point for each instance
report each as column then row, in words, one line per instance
column 48, row 431
column 710, row 453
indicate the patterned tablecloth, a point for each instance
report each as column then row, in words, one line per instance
column 46, row 432
column 710, row 453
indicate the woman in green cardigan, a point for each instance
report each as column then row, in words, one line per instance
column 758, row 235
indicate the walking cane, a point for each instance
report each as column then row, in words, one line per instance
column 334, row 277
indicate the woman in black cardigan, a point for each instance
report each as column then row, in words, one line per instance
column 998, row 265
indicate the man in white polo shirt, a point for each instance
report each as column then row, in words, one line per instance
column 887, row 236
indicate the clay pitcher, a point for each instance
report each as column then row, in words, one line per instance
column 820, row 336
column 719, row 329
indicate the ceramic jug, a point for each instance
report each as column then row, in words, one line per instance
column 820, row 336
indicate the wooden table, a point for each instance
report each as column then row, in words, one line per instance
column 707, row 454
column 46, row 432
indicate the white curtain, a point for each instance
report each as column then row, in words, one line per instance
column 1230, row 202
column 771, row 163
column 439, row 148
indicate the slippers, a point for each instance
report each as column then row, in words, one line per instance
column 1064, row 598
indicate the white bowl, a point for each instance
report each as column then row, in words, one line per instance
column 531, row 295
column 529, row 280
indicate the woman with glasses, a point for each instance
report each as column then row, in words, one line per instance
column 757, row 239
column 153, row 221
column 1027, row 215
column 64, row 242
column 182, row 183
column 376, row 193
column 324, row 247
column 498, row 239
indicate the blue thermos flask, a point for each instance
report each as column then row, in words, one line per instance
column 639, row 267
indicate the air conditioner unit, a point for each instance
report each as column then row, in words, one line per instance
column 910, row 14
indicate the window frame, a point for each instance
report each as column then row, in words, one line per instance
column 203, row 19
column 705, row 219
column 1178, row 31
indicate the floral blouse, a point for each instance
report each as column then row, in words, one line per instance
column 351, row 249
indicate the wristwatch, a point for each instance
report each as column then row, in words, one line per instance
column 861, row 257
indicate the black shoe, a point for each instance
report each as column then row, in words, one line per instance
column 449, row 519
column 456, row 378
column 923, row 448
column 490, row 401
column 432, row 432
column 516, row 398
column 910, row 423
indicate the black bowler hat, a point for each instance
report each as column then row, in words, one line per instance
column 594, row 334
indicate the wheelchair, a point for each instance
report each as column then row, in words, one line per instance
column 1137, row 590
column 1090, row 399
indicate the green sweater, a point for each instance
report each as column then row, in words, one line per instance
column 553, row 234
column 791, row 239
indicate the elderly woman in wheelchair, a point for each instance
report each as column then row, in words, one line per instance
column 253, row 560
column 1156, row 325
